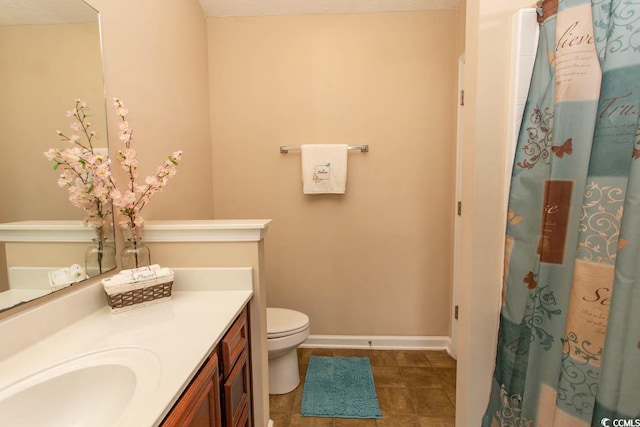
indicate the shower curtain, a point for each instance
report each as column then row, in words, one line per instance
column 569, row 339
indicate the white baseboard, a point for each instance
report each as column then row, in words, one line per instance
column 270, row 423
column 378, row 342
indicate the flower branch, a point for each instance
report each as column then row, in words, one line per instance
column 84, row 172
column 136, row 196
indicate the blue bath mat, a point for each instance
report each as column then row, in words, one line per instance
column 339, row 387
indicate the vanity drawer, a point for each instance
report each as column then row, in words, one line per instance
column 234, row 343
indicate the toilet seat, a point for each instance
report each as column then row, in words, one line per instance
column 282, row 322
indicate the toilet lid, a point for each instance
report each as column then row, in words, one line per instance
column 282, row 322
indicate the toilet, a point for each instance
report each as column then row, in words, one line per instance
column 286, row 330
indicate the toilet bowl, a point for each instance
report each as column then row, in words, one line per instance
column 286, row 330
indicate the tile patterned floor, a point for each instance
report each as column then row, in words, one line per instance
column 415, row 389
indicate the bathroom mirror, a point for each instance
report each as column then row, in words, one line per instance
column 50, row 54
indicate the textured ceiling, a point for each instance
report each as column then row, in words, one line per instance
column 300, row 7
column 20, row 12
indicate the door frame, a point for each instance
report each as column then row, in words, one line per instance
column 457, row 210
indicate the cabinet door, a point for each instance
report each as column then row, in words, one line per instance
column 199, row 405
column 236, row 394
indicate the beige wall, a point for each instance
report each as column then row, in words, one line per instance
column 488, row 44
column 41, row 254
column 155, row 60
column 377, row 260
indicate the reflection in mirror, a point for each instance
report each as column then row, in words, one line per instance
column 50, row 54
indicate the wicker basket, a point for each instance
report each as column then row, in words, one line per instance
column 139, row 294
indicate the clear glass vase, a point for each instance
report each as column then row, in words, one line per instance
column 135, row 254
column 100, row 257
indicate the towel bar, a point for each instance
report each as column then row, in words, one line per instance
column 284, row 149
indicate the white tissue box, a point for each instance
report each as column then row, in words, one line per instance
column 126, row 296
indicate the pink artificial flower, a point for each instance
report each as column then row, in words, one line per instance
column 120, row 108
column 51, row 154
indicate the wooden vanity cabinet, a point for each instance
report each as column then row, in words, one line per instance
column 220, row 394
column 199, row 405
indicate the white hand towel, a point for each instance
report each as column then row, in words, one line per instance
column 133, row 271
column 324, row 168
column 65, row 276
column 141, row 276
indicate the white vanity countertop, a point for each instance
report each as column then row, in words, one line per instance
column 13, row 297
column 180, row 332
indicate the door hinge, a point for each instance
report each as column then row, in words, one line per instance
column 459, row 208
column 455, row 313
column 462, row 97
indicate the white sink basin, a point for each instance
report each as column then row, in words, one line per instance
column 95, row 389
